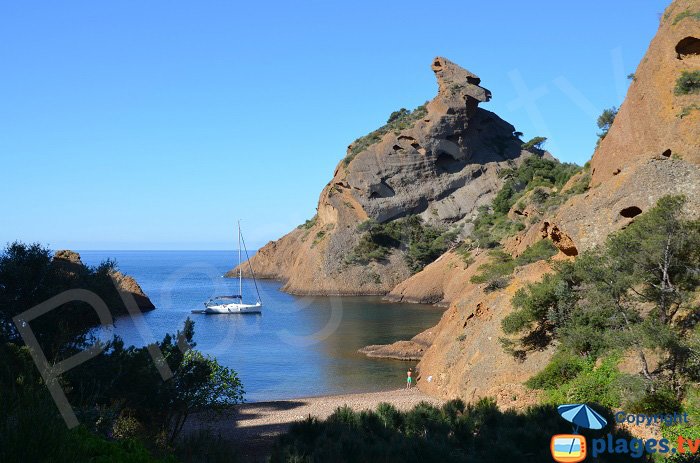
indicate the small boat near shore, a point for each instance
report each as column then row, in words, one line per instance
column 234, row 304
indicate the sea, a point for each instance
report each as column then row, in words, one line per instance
column 298, row 347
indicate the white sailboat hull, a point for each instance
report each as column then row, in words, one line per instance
column 232, row 308
column 217, row 306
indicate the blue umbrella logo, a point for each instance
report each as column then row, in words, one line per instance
column 581, row 416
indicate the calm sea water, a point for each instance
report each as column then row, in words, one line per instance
column 298, row 347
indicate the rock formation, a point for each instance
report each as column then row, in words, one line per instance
column 70, row 261
column 651, row 150
column 443, row 165
column 440, row 162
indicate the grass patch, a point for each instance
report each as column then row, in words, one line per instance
column 464, row 251
column 398, row 121
column 501, row 265
column 686, row 14
column 542, row 250
column 688, row 109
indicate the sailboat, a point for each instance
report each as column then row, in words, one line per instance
column 234, row 304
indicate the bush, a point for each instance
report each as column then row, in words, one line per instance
column 687, row 83
column 497, row 271
column 309, row 223
column 534, row 144
column 541, row 250
column 454, row 432
column 464, row 251
column 501, row 265
column 496, row 284
column 599, row 385
column 560, row 370
column 662, row 400
column 422, row 243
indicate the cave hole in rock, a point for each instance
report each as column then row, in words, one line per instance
column 631, row 211
column 382, row 190
column 446, row 163
column 666, row 154
column 688, row 46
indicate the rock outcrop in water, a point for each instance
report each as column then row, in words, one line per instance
column 439, row 162
column 70, row 261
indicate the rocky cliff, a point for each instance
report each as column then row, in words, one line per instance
column 70, row 261
column 439, row 162
column 652, row 149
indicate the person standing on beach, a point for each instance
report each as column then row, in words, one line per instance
column 408, row 379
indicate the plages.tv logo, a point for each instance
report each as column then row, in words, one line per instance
column 571, row 448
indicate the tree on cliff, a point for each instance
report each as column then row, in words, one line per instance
column 634, row 293
column 605, row 121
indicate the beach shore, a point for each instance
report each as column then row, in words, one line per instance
column 255, row 426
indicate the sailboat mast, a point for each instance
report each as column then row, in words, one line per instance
column 240, row 270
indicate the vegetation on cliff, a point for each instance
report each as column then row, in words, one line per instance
column 496, row 273
column 126, row 410
column 688, row 82
column 420, row 242
column 535, row 174
column 637, row 293
column 398, row 120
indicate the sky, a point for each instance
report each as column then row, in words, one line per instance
column 157, row 125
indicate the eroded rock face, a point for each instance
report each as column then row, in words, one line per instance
column 70, row 261
column 654, row 122
column 442, row 166
column 653, row 147
column 633, row 167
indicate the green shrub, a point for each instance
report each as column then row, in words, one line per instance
column 687, row 83
column 496, row 284
column 662, row 400
column 581, row 185
column 319, row 237
column 501, row 265
column 309, row 223
column 593, row 384
column 534, row 144
column 422, row 243
column 541, row 250
column 539, row 196
column 561, row 369
column 497, row 271
column 464, row 251
column 454, row 432
column 687, row 14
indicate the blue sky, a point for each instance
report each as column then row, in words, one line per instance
column 155, row 125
